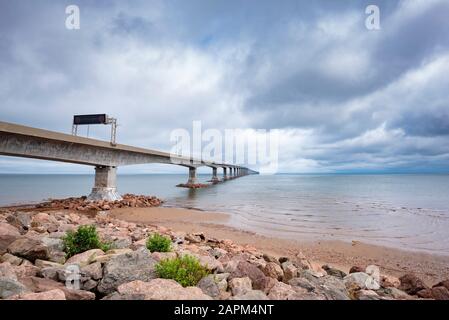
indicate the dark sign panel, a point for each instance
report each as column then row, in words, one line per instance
column 89, row 119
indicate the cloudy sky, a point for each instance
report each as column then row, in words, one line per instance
column 345, row 98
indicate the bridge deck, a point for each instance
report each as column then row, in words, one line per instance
column 23, row 141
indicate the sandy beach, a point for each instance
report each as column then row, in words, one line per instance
column 431, row 268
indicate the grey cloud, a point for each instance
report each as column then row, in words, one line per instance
column 159, row 65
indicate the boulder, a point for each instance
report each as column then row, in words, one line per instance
column 20, row 220
column 360, row 280
column 290, row 271
column 72, row 294
column 411, row 284
column 10, row 287
column 355, row 269
column 269, row 284
column 139, row 244
column 317, row 270
column 230, row 266
column 137, row 265
column 35, row 284
column 158, row 256
column 85, row 258
column 440, row 293
column 118, row 296
column 46, row 264
column 210, row 263
column 8, row 234
column 259, row 263
column 93, row 271
column 387, row 281
column 332, row 288
column 437, row 293
column 42, row 218
column 104, row 258
column 444, row 283
column 301, row 261
column 334, row 272
column 282, row 291
column 13, row 260
column 367, row 295
column 193, row 238
column 50, row 273
column 55, row 294
column 222, row 281
column 162, row 289
column 119, row 251
column 29, row 248
column 270, row 258
column 121, row 242
column 55, row 249
column 251, row 295
column 283, row 259
column 425, row 293
column 246, row 269
column 394, row 293
column 89, row 285
column 273, row 270
column 26, row 269
column 209, row 285
column 240, row 286
column 218, row 252
column 7, row 271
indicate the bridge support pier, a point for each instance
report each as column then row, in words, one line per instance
column 192, row 176
column 225, row 176
column 105, row 184
column 214, row 175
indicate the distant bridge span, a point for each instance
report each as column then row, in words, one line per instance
column 27, row 142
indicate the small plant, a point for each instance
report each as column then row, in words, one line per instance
column 85, row 238
column 185, row 270
column 158, row 243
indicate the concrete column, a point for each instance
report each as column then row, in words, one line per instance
column 105, row 185
column 225, row 176
column 214, row 175
column 192, row 176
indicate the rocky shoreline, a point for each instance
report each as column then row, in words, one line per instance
column 33, row 265
column 82, row 204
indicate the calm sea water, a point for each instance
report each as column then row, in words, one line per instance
column 404, row 211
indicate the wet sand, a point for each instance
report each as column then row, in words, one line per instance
column 431, row 268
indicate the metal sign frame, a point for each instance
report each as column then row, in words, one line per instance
column 107, row 120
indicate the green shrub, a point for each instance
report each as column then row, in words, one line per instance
column 85, row 238
column 158, row 243
column 186, row 270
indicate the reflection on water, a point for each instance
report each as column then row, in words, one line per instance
column 405, row 211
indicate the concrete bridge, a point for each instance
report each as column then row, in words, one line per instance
column 22, row 141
